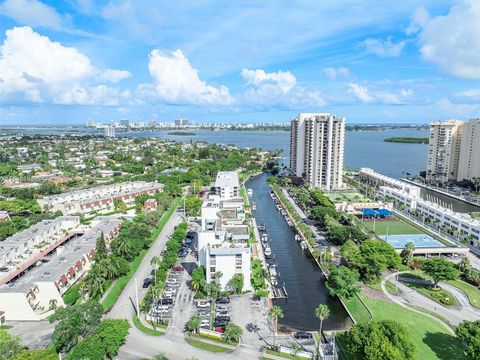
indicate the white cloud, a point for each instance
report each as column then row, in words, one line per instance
column 114, row 76
column 471, row 96
column 177, row 82
column 32, row 13
column 284, row 80
column 333, row 73
column 360, row 92
column 379, row 96
column 452, row 41
column 35, row 69
column 384, row 48
column 278, row 89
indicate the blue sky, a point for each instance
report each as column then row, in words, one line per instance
column 238, row 61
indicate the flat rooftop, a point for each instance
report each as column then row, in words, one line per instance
column 227, row 178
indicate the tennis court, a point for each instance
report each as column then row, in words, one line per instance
column 419, row 240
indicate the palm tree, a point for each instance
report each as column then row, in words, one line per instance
column 93, row 284
column 321, row 312
column 274, row 314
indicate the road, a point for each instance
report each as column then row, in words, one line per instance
column 410, row 296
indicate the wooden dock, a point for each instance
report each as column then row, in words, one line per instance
column 279, row 292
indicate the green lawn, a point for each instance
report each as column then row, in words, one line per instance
column 207, row 346
column 471, row 291
column 442, row 296
column 138, row 324
column 431, row 339
column 391, row 227
column 243, row 194
column 391, row 288
column 357, row 309
column 349, row 197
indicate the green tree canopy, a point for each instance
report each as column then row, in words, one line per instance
column 469, row 333
column 440, row 269
column 343, row 282
column 386, row 339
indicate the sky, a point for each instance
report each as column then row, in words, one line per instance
column 372, row 61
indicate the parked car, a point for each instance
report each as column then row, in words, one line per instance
column 223, row 300
column 147, row 282
column 303, row 335
column 222, row 318
column 203, row 304
column 182, row 254
column 166, row 301
column 220, row 329
column 188, row 241
column 178, row 269
column 219, row 323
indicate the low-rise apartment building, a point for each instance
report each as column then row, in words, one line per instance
column 42, row 275
column 99, row 199
column 370, row 177
column 223, row 240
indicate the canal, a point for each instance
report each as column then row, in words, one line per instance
column 303, row 279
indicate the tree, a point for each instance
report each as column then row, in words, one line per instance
column 193, row 205
column 386, row 339
column 321, row 312
column 194, row 323
column 233, row 332
column 465, row 265
column 120, row 206
column 274, row 314
column 439, row 269
column 469, row 333
column 9, row 346
column 235, row 284
column 374, row 257
column 74, row 321
column 39, row 354
column 343, row 282
column 407, row 254
column 100, row 246
column 93, row 283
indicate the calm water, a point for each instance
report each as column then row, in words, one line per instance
column 362, row 148
column 302, row 277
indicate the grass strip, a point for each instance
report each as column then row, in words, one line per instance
column 357, row 310
column 440, row 296
column 207, row 346
column 283, row 355
column 118, row 287
column 433, row 313
column 471, row 291
column 139, row 325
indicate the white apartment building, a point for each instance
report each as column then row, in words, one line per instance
column 48, row 266
column 99, row 199
column 227, row 185
column 370, row 177
column 317, row 148
column 223, row 239
column 453, row 151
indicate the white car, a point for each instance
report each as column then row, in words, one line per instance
column 203, row 304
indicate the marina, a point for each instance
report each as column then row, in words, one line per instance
column 298, row 285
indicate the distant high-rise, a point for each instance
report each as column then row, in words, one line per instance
column 181, row 122
column 316, row 149
column 453, row 151
column 110, row 132
column 125, row 123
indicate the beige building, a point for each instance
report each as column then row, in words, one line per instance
column 469, row 160
column 454, row 151
column 316, row 149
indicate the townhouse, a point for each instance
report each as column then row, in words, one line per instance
column 99, row 199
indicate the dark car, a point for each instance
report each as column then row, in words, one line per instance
column 218, row 323
column 182, row 253
column 166, row 301
column 178, row 268
column 302, row 335
column 222, row 318
column 146, row 282
column 223, row 300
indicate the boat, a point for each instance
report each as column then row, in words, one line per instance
column 272, row 270
column 264, row 237
column 279, row 207
column 262, row 227
column 249, row 192
column 303, row 245
column 283, row 212
column 297, row 237
column 274, row 281
column 267, row 251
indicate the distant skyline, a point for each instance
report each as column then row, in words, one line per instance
column 62, row 62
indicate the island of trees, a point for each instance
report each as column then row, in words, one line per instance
column 182, row 133
column 407, row 140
